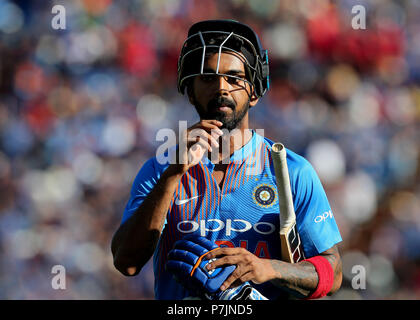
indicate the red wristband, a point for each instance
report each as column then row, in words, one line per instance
column 325, row 276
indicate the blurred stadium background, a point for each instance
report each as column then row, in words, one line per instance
column 80, row 108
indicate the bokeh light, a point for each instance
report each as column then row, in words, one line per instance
column 11, row 17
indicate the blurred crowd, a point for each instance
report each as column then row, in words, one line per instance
column 80, row 109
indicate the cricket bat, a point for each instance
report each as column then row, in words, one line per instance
column 291, row 247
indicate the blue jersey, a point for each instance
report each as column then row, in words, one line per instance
column 243, row 212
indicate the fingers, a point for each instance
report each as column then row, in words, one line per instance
column 210, row 124
column 237, row 277
column 195, row 154
column 226, row 251
column 230, row 256
column 227, row 260
column 203, row 138
column 248, row 266
column 196, row 140
column 203, row 134
column 205, row 131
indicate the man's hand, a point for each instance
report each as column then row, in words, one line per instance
column 248, row 266
column 299, row 278
column 195, row 141
column 187, row 262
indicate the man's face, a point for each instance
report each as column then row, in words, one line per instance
column 223, row 98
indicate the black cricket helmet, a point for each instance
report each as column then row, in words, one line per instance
column 212, row 36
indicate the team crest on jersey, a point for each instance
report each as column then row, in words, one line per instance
column 264, row 195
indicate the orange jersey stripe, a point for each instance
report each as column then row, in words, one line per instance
column 233, row 178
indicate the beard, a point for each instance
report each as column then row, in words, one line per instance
column 230, row 121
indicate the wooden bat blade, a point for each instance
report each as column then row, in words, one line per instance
column 291, row 245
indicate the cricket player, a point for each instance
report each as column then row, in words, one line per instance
column 227, row 197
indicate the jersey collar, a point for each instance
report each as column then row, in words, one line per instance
column 243, row 153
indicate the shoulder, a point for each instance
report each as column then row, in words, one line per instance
column 303, row 177
column 296, row 163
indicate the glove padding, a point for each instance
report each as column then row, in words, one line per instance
column 243, row 292
column 186, row 262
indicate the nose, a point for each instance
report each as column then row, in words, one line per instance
column 222, row 86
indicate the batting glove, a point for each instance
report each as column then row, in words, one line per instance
column 243, row 292
column 186, row 261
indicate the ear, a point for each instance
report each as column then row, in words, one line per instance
column 253, row 99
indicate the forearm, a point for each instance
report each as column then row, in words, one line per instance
column 135, row 241
column 298, row 278
column 301, row 279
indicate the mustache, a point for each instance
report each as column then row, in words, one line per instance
column 221, row 101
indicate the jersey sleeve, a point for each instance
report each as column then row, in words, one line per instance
column 144, row 182
column 314, row 218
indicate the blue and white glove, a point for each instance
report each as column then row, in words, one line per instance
column 186, row 261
